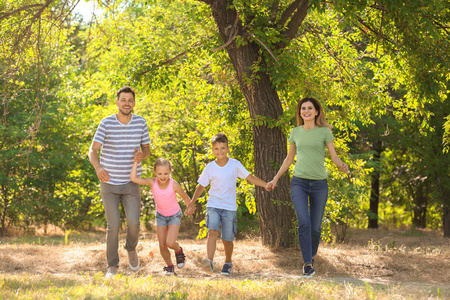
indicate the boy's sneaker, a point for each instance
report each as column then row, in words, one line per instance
column 308, row 271
column 207, row 265
column 226, row 270
column 169, row 270
column 180, row 258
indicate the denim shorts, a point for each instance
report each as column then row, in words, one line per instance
column 164, row 221
column 227, row 218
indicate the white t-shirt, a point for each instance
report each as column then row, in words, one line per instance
column 222, row 193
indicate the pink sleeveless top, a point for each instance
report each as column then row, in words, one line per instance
column 165, row 199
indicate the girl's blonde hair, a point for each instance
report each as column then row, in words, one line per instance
column 320, row 118
column 162, row 162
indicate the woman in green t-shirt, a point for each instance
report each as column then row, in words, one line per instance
column 309, row 187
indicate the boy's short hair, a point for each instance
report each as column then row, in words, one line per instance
column 219, row 138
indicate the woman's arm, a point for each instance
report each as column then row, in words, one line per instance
column 290, row 157
column 139, row 180
column 335, row 158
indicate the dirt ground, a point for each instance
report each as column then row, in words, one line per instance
column 418, row 257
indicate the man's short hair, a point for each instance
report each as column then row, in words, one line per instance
column 219, row 138
column 125, row 89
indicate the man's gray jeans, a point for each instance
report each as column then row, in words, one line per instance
column 130, row 196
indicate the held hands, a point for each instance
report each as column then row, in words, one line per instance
column 271, row 185
column 138, row 155
column 190, row 209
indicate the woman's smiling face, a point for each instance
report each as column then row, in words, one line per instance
column 308, row 111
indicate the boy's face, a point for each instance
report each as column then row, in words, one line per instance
column 220, row 150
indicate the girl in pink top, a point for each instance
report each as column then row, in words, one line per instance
column 168, row 211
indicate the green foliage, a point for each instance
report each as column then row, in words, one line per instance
column 380, row 71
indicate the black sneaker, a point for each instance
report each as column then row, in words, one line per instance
column 169, row 270
column 308, row 271
column 180, row 258
column 226, row 270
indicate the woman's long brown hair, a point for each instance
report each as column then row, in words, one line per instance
column 320, row 118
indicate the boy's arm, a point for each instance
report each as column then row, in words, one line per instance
column 198, row 192
column 179, row 190
column 256, row 181
column 139, row 180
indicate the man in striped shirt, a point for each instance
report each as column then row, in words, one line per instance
column 122, row 138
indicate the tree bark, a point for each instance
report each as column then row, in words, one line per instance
column 420, row 208
column 275, row 209
column 375, row 187
column 444, row 191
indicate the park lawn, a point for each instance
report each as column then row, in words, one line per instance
column 96, row 286
column 369, row 265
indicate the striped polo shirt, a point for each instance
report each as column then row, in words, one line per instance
column 118, row 144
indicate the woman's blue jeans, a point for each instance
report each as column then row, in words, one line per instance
column 312, row 193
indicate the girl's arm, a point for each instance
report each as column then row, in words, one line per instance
column 290, row 157
column 256, row 181
column 139, row 180
column 335, row 158
column 198, row 192
column 179, row 190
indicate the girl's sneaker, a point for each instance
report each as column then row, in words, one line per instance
column 169, row 270
column 226, row 270
column 207, row 265
column 180, row 258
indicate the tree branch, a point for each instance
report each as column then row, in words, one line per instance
column 297, row 19
column 274, row 10
column 288, row 12
column 8, row 14
column 170, row 60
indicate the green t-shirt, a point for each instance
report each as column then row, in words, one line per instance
column 310, row 144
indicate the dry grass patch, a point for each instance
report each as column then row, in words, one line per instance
column 417, row 261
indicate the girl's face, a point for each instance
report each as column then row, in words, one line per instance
column 162, row 172
column 308, row 112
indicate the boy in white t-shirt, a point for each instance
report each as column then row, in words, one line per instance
column 221, row 207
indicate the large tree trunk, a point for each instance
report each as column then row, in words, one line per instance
column 275, row 210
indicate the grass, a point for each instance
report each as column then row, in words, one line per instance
column 370, row 265
column 27, row 286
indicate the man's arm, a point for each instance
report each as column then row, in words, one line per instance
column 93, row 158
column 142, row 154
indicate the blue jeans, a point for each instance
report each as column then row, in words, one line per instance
column 164, row 221
column 309, row 220
column 215, row 217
